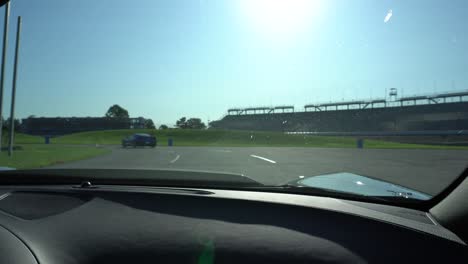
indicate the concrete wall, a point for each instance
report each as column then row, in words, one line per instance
column 62, row 125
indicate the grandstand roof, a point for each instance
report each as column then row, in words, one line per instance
column 257, row 108
column 361, row 103
column 343, row 103
column 346, row 103
column 451, row 94
column 376, row 101
column 411, row 98
column 284, row 107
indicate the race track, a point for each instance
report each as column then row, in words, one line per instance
column 428, row 171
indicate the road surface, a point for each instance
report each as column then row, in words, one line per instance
column 428, row 171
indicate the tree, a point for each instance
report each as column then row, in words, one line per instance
column 149, row 124
column 17, row 124
column 195, row 123
column 163, row 127
column 182, row 123
column 6, row 130
column 214, row 124
column 116, row 111
column 192, row 123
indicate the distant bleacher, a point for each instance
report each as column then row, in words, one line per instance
column 54, row 126
column 436, row 114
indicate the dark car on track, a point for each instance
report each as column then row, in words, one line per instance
column 139, row 140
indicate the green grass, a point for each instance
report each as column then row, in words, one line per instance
column 234, row 139
column 106, row 137
column 36, row 156
column 369, row 143
column 22, row 139
column 206, row 138
column 78, row 146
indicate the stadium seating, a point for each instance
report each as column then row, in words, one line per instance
column 443, row 116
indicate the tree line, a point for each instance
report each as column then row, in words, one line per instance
column 116, row 111
column 191, row 123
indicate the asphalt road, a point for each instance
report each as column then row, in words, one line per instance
column 428, row 171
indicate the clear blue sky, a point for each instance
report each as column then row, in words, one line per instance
column 173, row 58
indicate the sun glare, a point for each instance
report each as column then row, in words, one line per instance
column 280, row 17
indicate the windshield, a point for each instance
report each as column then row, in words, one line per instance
column 362, row 97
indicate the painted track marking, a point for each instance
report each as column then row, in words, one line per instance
column 176, row 158
column 262, row 158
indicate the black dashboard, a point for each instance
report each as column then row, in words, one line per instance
column 125, row 224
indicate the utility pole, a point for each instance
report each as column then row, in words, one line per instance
column 13, row 92
column 2, row 74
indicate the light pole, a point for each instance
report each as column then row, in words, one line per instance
column 2, row 74
column 13, row 92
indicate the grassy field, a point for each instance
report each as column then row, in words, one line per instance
column 36, row 156
column 22, row 139
column 78, row 146
column 231, row 139
column 203, row 138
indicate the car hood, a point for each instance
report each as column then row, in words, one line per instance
column 358, row 184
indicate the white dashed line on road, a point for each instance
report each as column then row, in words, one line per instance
column 176, row 158
column 262, row 158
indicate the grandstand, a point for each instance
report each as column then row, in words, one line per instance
column 440, row 112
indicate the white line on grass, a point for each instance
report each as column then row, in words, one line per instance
column 176, row 158
column 262, row 158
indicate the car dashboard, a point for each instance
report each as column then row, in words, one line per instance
column 131, row 224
